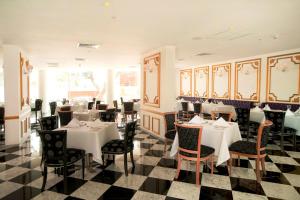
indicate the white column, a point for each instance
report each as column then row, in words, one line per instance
column 42, row 88
column 110, row 87
column 17, row 117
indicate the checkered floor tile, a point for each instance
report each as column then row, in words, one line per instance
column 152, row 178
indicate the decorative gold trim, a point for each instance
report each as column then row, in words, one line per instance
column 148, row 128
column 156, row 132
column 153, row 111
column 189, row 72
column 271, row 62
column 256, row 64
column 227, row 68
column 206, row 72
column 156, row 101
column 12, row 117
column 21, row 80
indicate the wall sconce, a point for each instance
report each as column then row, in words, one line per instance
column 149, row 68
column 283, row 67
column 201, row 76
column 220, row 73
column 28, row 68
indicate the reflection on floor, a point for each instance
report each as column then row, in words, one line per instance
column 152, row 178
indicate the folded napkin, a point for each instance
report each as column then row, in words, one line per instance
column 220, row 103
column 96, row 124
column 221, row 122
column 74, row 123
column 289, row 113
column 212, row 103
column 267, row 107
column 196, row 120
column 256, row 109
column 197, row 101
column 206, row 102
column 297, row 111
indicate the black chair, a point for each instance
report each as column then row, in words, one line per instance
column 186, row 115
column 53, row 106
column 243, row 120
column 98, row 102
column 256, row 150
column 108, row 116
column 122, row 101
column 170, row 130
column 190, row 148
column 65, row 117
column 49, row 123
column 115, row 102
column 129, row 111
column 2, row 114
column 197, row 108
column 64, row 101
column 90, row 105
column 278, row 129
column 117, row 147
column 65, row 108
column 102, row 106
column 56, row 154
column 37, row 107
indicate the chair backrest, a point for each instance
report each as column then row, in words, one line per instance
column 277, row 117
column 129, row 134
column 54, row 145
column 169, row 121
column 65, row 117
column 94, row 99
column 49, row 123
column 189, row 138
column 197, row 108
column 90, row 105
column 38, row 104
column 227, row 116
column 64, row 101
column 107, row 116
column 122, row 102
column 2, row 114
column 65, row 108
column 262, row 135
column 243, row 116
column 185, row 106
column 98, row 102
column 102, row 106
column 128, row 106
column 53, row 106
column 115, row 102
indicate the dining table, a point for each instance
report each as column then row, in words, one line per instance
column 87, row 115
column 219, row 138
column 91, row 137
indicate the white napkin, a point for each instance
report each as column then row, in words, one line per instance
column 221, row 122
column 256, row 109
column 267, row 107
column 96, row 124
column 220, row 103
column 74, row 123
column 206, row 102
column 289, row 113
column 197, row 101
column 298, row 111
column 196, row 120
column 212, row 103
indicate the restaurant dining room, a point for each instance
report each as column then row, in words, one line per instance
column 137, row 99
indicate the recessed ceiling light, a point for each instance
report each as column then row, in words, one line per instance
column 275, row 36
column 80, row 59
column 197, row 38
column 180, row 59
column 52, row 64
column 88, row 45
column 106, row 4
column 203, row 54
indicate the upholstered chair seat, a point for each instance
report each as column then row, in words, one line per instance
column 115, row 147
column 245, row 147
column 205, row 151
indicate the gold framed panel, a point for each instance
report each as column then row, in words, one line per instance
column 216, row 70
column 158, row 123
column 239, row 67
column 201, row 71
column 144, row 124
column 155, row 60
column 271, row 65
column 185, row 74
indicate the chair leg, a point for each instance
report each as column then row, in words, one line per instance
column 257, row 171
column 165, row 148
column 212, row 164
column 295, row 141
column 239, row 161
column 102, row 156
column 230, row 165
column 35, row 117
column 281, row 142
column 83, row 166
column 198, row 172
column 263, row 166
column 45, row 177
column 132, row 160
column 178, row 166
column 125, row 164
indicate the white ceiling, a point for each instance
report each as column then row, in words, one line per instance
column 50, row 29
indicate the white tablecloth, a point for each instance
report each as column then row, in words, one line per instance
column 87, row 115
column 91, row 140
column 292, row 121
column 136, row 107
column 219, row 139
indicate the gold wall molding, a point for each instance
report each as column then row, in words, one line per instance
column 144, row 124
column 239, row 66
column 205, row 71
column 216, row 69
column 271, row 65
column 11, row 117
column 158, row 124
column 185, row 74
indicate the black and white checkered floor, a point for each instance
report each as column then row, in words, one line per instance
column 152, row 178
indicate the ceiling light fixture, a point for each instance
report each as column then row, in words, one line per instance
column 203, row 54
column 88, row 45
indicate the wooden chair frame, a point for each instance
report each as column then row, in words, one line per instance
column 198, row 159
column 215, row 113
column 258, row 157
column 166, row 139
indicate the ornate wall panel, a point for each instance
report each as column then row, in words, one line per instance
column 221, row 79
column 156, row 125
column 146, row 121
column 247, row 80
column 186, row 82
column 151, row 96
column 201, row 82
column 283, row 78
